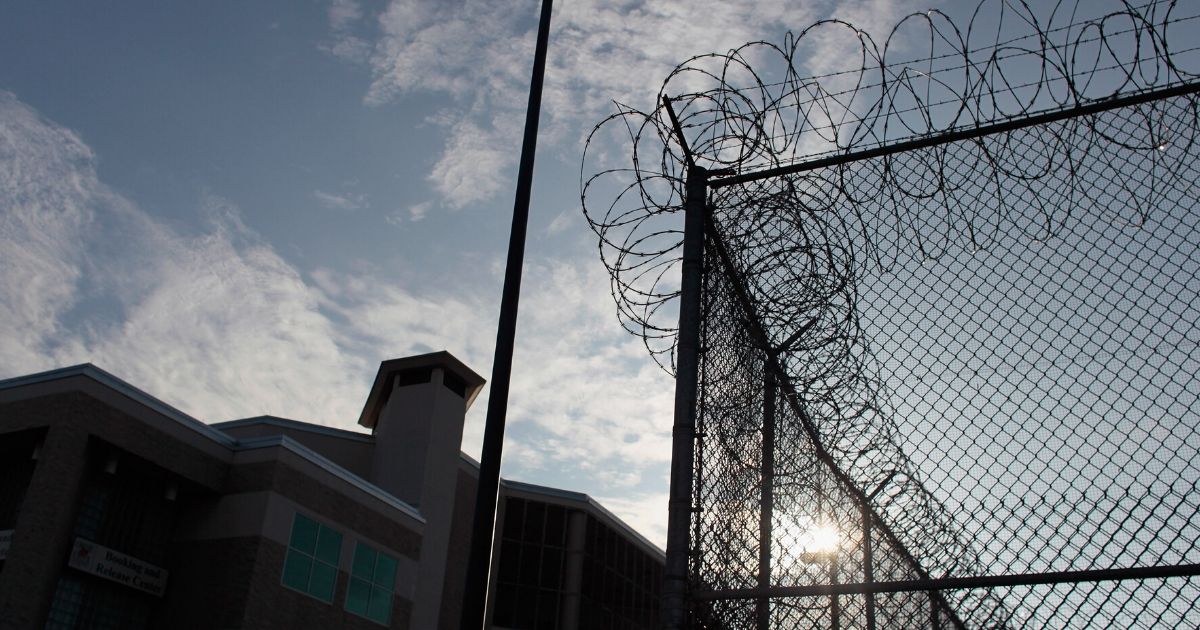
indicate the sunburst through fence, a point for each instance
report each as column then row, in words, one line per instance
column 949, row 314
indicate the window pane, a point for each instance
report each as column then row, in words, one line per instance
column 530, row 563
column 514, row 518
column 304, row 534
column 381, row 605
column 296, row 569
column 556, row 525
column 329, row 546
column 357, row 595
column 526, row 607
column 547, row 610
column 535, row 516
column 509, row 556
column 506, row 604
column 385, row 571
column 551, row 568
column 364, row 562
column 324, row 578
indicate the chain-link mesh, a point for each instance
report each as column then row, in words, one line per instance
column 948, row 377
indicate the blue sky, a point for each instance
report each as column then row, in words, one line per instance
column 242, row 208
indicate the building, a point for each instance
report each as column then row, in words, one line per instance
column 118, row 511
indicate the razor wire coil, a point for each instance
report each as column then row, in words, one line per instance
column 990, row 342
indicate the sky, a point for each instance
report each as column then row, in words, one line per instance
column 242, row 208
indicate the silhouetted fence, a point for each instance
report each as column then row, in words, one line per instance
column 941, row 366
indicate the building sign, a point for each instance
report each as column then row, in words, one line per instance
column 5, row 542
column 113, row 565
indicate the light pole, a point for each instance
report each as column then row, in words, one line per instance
column 479, row 562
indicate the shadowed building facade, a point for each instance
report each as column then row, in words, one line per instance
column 118, row 511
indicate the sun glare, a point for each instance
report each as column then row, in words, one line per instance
column 823, row 539
column 819, row 543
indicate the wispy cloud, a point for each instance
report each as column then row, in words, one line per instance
column 642, row 511
column 344, row 201
column 565, row 220
column 466, row 49
column 480, row 54
column 475, row 164
column 206, row 321
column 418, row 211
column 48, row 206
column 344, row 18
column 344, row 13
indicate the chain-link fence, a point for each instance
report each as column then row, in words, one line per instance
column 946, row 356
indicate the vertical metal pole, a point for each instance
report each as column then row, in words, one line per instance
column 935, row 617
column 683, row 434
column 766, row 493
column 835, row 601
column 480, row 560
column 572, row 594
column 868, row 564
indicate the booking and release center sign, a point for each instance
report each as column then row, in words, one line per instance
column 113, row 565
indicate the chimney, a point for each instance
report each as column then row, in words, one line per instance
column 415, row 412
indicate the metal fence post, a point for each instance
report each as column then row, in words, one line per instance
column 868, row 563
column 683, row 434
column 766, row 496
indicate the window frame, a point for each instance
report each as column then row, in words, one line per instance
column 376, row 584
column 313, row 557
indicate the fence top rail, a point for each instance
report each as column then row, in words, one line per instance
column 955, row 583
column 963, row 133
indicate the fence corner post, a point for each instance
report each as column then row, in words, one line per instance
column 683, row 433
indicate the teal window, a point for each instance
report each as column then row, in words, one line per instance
column 372, row 580
column 312, row 558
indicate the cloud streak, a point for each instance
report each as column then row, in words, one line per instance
column 47, row 209
column 336, row 201
column 480, row 54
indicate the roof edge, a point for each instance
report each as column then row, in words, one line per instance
column 588, row 500
column 288, row 423
column 570, row 495
column 333, row 468
column 106, row 379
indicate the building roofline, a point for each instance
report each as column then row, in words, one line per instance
column 586, row 499
column 105, row 379
column 88, row 370
column 468, row 460
column 378, row 398
column 381, row 391
column 575, row 497
column 331, row 467
column 287, row 423
column 558, row 493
